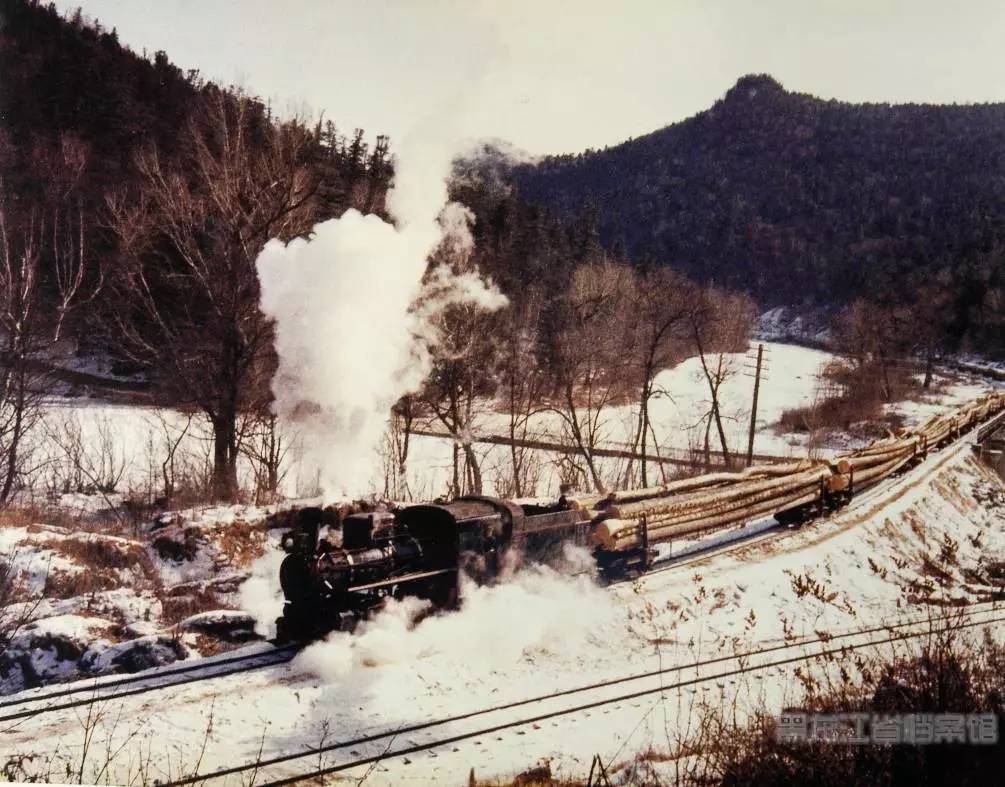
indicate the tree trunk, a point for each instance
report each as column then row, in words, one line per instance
column 584, row 449
column 719, row 428
column 276, row 458
column 645, row 434
column 13, row 448
column 456, row 483
column 887, row 392
column 639, row 438
column 475, row 472
column 225, row 456
column 713, row 387
column 708, row 447
column 516, row 455
column 929, row 365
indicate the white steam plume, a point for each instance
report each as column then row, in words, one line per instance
column 536, row 611
column 260, row 593
column 350, row 338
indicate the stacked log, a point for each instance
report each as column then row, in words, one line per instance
column 708, row 482
column 619, row 525
column 720, row 500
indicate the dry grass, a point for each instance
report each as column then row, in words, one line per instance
column 949, row 672
column 66, row 584
column 836, row 413
column 239, row 543
column 103, row 563
column 235, row 544
column 102, row 553
column 949, row 676
column 176, row 607
column 535, row 777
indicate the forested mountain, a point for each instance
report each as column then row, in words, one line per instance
column 796, row 199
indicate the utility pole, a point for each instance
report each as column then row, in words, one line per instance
column 753, row 407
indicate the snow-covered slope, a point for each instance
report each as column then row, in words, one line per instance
column 938, row 531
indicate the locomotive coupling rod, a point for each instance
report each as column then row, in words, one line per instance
column 399, row 579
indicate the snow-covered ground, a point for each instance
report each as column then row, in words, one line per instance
column 786, row 324
column 941, row 526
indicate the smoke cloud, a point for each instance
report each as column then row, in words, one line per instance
column 353, row 308
column 536, row 610
column 260, row 593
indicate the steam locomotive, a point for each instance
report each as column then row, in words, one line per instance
column 421, row 551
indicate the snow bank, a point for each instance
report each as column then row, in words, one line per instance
column 133, row 655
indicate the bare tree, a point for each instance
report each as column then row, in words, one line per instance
column 78, row 461
column 870, row 336
column 522, row 382
column 459, row 385
column 927, row 320
column 718, row 322
column 172, row 437
column 661, row 305
column 268, row 449
column 42, row 280
column 185, row 292
column 588, row 360
column 399, row 434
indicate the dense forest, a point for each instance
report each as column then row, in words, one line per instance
column 798, row 200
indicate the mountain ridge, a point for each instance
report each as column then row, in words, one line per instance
column 798, row 199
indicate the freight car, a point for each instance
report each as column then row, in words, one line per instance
column 332, row 581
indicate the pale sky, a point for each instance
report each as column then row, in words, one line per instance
column 556, row 76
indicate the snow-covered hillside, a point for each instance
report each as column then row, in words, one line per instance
column 87, row 603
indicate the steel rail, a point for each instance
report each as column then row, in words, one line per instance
column 269, row 658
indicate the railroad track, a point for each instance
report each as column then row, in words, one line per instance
column 671, row 456
column 748, row 662
column 103, row 690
